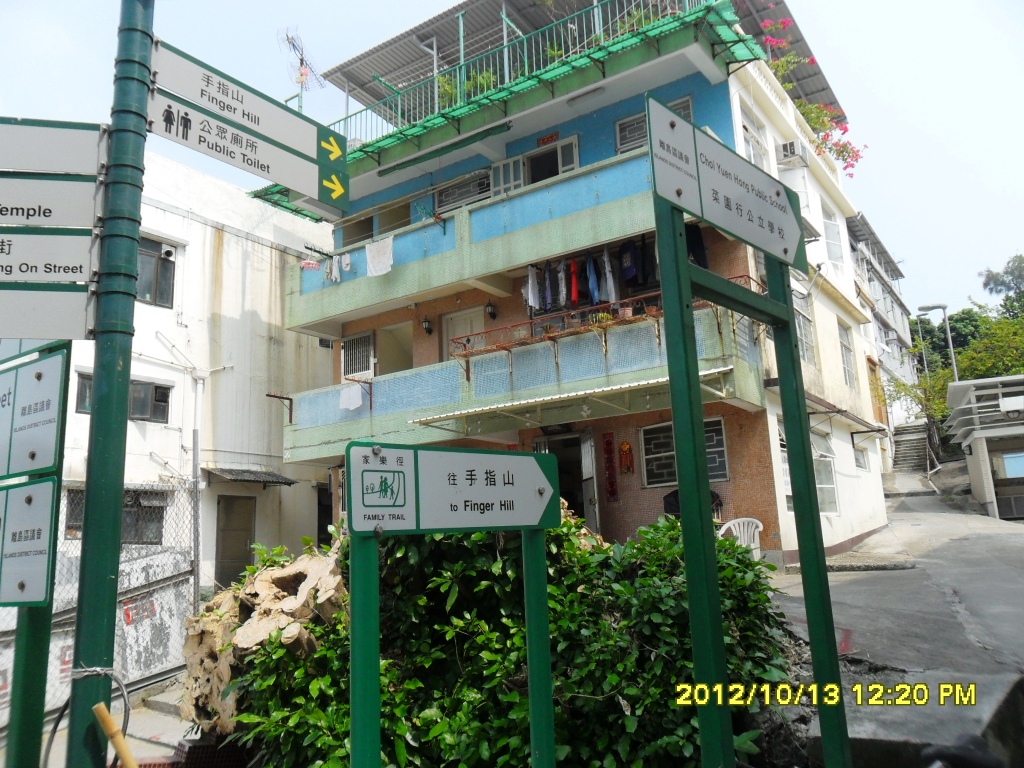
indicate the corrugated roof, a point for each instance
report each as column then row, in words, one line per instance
column 861, row 230
column 252, row 476
column 811, row 85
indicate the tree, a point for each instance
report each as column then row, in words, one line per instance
column 1008, row 282
column 998, row 350
column 964, row 327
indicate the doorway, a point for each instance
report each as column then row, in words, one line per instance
column 575, row 454
column 465, row 325
column 236, row 522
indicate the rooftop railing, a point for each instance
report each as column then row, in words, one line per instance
column 579, row 40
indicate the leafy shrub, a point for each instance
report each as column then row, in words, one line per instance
column 453, row 669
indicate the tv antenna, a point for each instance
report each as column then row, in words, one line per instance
column 302, row 70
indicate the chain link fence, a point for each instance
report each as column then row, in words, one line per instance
column 154, row 593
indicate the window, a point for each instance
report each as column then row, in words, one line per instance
column 156, row 273
column 860, row 458
column 846, row 348
column 149, row 402
column 142, row 515
column 659, row 459
column 357, row 355
column 804, row 329
column 506, row 176
column 466, row 190
column 325, row 343
column 824, row 472
column 755, row 139
column 631, row 133
column 83, row 403
column 551, row 161
column 833, row 239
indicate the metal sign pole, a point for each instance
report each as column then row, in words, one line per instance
column 364, row 575
column 538, row 650
column 116, row 291
column 32, row 641
column 714, row 720
column 835, row 739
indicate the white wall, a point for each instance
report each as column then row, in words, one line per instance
column 227, row 319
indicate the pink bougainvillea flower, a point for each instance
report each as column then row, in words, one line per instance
column 785, row 23
column 767, row 24
column 775, row 42
column 812, row 61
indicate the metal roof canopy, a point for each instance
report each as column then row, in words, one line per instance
column 980, row 408
column 860, row 228
column 251, row 476
column 811, row 85
column 407, row 58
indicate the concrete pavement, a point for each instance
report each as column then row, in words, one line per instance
column 956, row 617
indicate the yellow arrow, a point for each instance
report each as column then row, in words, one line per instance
column 332, row 147
column 335, row 186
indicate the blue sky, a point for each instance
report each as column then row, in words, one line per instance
column 931, row 86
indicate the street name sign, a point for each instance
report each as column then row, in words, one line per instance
column 405, row 489
column 31, row 415
column 46, row 311
column 27, row 514
column 47, row 254
column 233, row 122
column 50, row 146
column 48, row 200
column 11, row 349
column 697, row 173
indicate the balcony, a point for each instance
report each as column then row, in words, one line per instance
column 601, row 369
column 582, row 40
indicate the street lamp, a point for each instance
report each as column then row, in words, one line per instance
column 949, row 336
column 920, row 339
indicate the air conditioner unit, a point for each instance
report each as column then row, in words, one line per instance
column 792, row 154
column 890, row 336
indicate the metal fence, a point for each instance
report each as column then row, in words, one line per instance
column 545, row 54
column 155, row 589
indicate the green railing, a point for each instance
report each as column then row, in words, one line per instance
column 579, row 40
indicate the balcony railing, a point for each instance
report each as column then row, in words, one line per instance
column 577, row 41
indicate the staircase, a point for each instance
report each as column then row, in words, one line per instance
column 911, row 447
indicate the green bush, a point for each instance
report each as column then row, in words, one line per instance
column 453, row 641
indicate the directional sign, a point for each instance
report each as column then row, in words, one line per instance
column 47, row 254
column 27, row 514
column 699, row 174
column 48, row 200
column 230, row 107
column 46, row 311
column 11, row 349
column 200, row 129
column 50, row 146
column 31, row 415
column 402, row 489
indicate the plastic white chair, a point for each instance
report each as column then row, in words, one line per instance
column 747, row 531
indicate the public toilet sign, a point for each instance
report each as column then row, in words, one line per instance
column 27, row 514
column 47, row 254
column 207, row 110
column 31, row 415
column 697, row 173
column 48, row 146
column 403, row 489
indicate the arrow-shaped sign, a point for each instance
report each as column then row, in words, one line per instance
column 331, row 145
column 405, row 489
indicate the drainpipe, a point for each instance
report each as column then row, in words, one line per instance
column 200, row 378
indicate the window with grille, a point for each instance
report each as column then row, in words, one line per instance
column 357, row 355
column 755, row 139
column 846, row 349
column 631, row 132
column 149, row 402
column 464, row 191
column 142, row 515
column 659, row 458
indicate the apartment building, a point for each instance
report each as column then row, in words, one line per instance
column 495, row 282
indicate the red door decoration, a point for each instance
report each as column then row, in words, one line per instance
column 611, row 479
column 625, row 457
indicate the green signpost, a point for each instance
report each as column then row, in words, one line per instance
column 694, row 173
column 399, row 489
